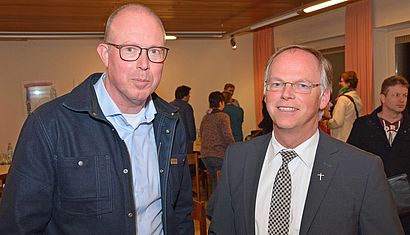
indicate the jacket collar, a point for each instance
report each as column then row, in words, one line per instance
column 83, row 98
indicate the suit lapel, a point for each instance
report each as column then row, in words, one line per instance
column 255, row 156
column 325, row 165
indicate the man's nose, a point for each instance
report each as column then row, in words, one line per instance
column 143, row 61
column 288, row 92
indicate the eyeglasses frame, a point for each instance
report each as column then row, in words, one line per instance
column 120, row 46
column 292, row 84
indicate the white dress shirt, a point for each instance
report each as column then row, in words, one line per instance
column 300, row 170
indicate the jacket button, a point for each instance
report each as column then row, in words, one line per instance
column 130, row 215
column 161, row 171
column 125, row 171
column 94, row 114
column 167, row 131
column 80, row 163
column 172, row 114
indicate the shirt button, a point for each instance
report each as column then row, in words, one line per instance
column 167, row 131
column 94, row 114
column 125, row 171
column 80, row 163
column 130, row 215
column 161, row 170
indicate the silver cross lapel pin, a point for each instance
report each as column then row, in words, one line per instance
column 320, row 176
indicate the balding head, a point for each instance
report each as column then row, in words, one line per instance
column 139, row 9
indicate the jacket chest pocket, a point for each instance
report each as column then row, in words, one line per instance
column 84, row 185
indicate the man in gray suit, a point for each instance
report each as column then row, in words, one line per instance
column 325, row 187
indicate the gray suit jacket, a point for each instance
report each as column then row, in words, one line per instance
column 352, row 198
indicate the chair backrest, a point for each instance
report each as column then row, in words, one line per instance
column 198, row 213
column 193, row 160
column 2, row 183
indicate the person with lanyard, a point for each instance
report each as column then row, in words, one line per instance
column 385, row 132
column 348, row 107
column 298, row 179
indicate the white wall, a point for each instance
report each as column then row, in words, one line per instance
column 62, row 61
column 204, row 65
column 319, row 31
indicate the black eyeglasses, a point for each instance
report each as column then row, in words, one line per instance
column 299, row 87
column 133, row 52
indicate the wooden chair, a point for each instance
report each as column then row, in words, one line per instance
column 218, row 175
column 198, row 213
column 2, row 183
column 200, row 177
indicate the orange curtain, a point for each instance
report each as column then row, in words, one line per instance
column 262, row 50
column 358, row 49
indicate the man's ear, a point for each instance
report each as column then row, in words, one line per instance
column 102, row 50
column 382, row 98
column 324, row 99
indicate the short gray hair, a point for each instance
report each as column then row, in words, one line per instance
column 324, row 66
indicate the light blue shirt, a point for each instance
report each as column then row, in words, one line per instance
column 137, row 131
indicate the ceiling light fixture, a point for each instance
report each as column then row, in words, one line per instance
column 233, row 43
column 322, row 5
column 273, row 20
column 170, row 37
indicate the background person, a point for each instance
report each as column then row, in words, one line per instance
column 216, row 135
column 230, row 88
column 182, row 95
column 298, row 180
column 235, row 114
column 348, row 107
column 385, row 131
column 100, row 160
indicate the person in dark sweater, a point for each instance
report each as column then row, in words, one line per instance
column 385, row 132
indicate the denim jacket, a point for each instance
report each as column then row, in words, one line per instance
column 71, row 171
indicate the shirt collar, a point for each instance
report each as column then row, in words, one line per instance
column 306, row 151
column 110, row 109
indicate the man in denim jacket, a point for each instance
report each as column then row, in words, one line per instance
column 109, row 157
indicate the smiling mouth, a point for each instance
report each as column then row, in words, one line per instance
column 287, row 109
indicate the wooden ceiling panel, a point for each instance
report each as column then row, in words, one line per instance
column 178, row 16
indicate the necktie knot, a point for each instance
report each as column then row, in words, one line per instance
column 287, row 156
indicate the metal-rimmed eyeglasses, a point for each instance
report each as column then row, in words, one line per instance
column 133, row 52
column 301, row 87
